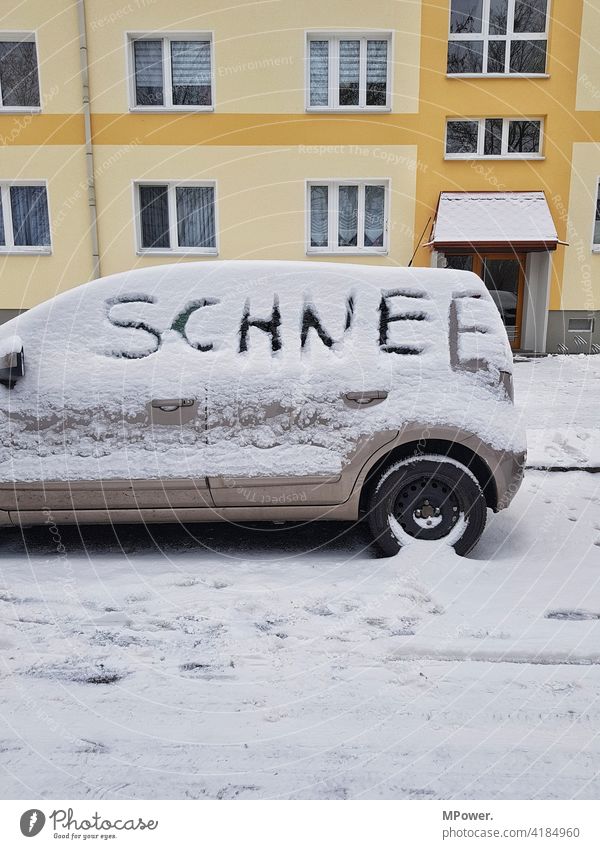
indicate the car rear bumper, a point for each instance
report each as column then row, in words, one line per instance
column 508, row 475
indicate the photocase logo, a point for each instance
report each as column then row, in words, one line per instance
column 32, row 822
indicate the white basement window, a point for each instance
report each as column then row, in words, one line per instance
column 24, row 219
column 176, row 218
column 347, row 216
column 581, row 325
column 498, row 37
column 596, row 245
column 349, row 72
column 19, row 81
column 171, row 72
column 471, row 138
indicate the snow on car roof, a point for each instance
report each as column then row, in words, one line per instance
column 251, row 335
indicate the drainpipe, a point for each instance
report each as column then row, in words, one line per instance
column 89, row 152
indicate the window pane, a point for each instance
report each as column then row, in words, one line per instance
column 18, row 74
column 530, row 16
column 319, row 73
column 498, row 16
column 465, row 57
column 319, row 196
column 376, row 73
column 496, row 57
column 349, row 72
column 465, row 16
column 527, row 57
column 148, row 73
column 196, row 216
column 190, row 71
column 523, row 136
column 460, row 262
column 154, row 212
column 348, row 217
column 461, row 136
column 374, row 216
column 492, row 145
column 597, row 223
column 2, row 236
column 29, row 208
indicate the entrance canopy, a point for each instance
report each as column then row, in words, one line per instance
column 519, row 221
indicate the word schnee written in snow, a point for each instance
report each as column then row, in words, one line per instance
column 271, row 324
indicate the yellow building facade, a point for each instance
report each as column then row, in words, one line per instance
column 137, row 132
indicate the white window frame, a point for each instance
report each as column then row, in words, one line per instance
column 485, row 37
column 595, row 245
column 23, row 36
column 589, row 329
column 10, row 247
column 504, row 154
column 167, row 38
column 333, row 185
column 334, row 38
column 172, row 206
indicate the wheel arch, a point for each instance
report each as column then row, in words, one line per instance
column 447, row 448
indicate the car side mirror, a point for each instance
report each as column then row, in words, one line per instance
column 12, row 361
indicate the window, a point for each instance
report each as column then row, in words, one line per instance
column 173, row 72
column 493, row 137
column 497, row 37
column 581, row 325
column 347, row 217
column 597, row 220
column 176, row 217
column 349, row 71
column 19, row 84
column 24, row 220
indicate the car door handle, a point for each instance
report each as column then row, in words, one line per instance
column 170, row 405
column 364, row 398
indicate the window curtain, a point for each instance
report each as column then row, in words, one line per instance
column 348, row 216
column 190, row 69
column 597, row 223
column 196, row 216
column 374, row 216
column 349, row 73
column 29, row 208
column 319, row 73
column 376, row 73
column 154, row 213
column 148, row 73
column 319, row 219
column 2, row 236
column 19, row 74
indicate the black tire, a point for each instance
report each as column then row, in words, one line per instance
column 427, row 497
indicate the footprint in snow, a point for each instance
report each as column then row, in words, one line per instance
column 77, row 674
column 572, row 615
column 233, row 791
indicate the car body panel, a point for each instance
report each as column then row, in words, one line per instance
column 208, row 391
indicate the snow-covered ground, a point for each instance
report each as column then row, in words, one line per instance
column 222, row 662
column 560, row 399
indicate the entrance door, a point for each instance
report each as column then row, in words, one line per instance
column 504, row 276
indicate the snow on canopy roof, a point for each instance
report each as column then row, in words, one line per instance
column 493, row 218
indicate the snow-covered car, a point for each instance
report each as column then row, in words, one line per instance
column 262, row 391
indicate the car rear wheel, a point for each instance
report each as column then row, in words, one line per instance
column 427, row 498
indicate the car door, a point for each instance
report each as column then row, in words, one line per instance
column 112, row 413
column 298, row 416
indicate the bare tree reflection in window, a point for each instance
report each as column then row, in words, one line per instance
column 19, row 74
column 465, row 16
column 528, row 57
column 461, row 136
